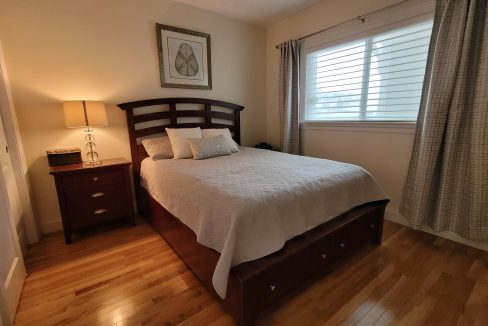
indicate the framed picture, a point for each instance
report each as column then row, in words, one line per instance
column 184, row 58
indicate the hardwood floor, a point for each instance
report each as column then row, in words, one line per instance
column 129, row 276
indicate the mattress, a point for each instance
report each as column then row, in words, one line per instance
column 248, row 204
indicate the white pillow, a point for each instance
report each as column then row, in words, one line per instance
column 178, row 137
column 158, row 147
column 207, row 133
column 203, row 148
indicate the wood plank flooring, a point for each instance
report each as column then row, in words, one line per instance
column 129, row 276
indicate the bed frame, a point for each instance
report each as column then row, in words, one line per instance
column 257, row 285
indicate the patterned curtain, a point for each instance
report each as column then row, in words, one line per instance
column 289, row 115
column 447, row 183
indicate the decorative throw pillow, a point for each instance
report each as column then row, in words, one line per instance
column 178, row 139
column 207, row 133
column 209, row 147
column 158, row 147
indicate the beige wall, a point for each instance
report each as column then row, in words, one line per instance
column 60, row 50
column 385, row 153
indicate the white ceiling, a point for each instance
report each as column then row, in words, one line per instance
column 259, row 12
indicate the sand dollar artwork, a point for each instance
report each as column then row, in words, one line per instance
column 184, row 58
column 185, row 63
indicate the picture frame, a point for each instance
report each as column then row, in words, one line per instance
column 184, row 58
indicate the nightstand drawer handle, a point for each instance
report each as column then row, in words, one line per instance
column 100, row 211
column 97, row 194
column 95, row 179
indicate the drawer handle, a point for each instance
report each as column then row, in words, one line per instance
column 100, row 211
column 323, row 256
column 95, row 179
column 342, row 244
column 97, row 194
column 372, row 226
column 272, row 287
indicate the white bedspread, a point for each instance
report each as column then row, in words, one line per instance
column 248, row 204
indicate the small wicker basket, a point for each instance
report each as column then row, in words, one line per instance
column 63, row 156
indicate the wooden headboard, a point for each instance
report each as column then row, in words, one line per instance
column 148, row 118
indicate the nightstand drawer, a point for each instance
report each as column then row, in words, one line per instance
column 96, row 196
column 93, row 215
column 97, row 205
column 92, row 179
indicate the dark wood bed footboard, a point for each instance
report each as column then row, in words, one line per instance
column 258, row 285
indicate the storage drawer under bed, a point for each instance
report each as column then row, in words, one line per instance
column 296, row 270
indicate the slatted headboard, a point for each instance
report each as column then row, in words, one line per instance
column 148, row 118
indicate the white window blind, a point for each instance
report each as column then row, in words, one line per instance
column 378, row 78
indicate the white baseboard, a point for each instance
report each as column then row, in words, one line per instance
column 51, row 226
column 390, row 215
column 394, row 216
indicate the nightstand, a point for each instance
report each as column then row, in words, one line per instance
column 94, row 194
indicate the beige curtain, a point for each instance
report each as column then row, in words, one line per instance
column 447, row 183
column 289, row 83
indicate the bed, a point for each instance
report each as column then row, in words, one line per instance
column 249, row 285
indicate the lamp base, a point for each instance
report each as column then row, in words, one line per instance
column 92, row 156
column 98, row 162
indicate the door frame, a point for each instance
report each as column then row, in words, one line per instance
column 11, row 290
column 17, row 156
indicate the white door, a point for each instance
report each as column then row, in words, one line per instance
column 12, row 269
column 26, row 225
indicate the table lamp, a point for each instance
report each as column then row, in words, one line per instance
column 86, row 114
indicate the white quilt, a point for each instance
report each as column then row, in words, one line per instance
column 248, row 204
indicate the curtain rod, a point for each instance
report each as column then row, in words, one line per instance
column 362, row 18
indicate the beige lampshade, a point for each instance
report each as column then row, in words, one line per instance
column 84, row 114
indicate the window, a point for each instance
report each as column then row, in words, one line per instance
column 378, row 78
